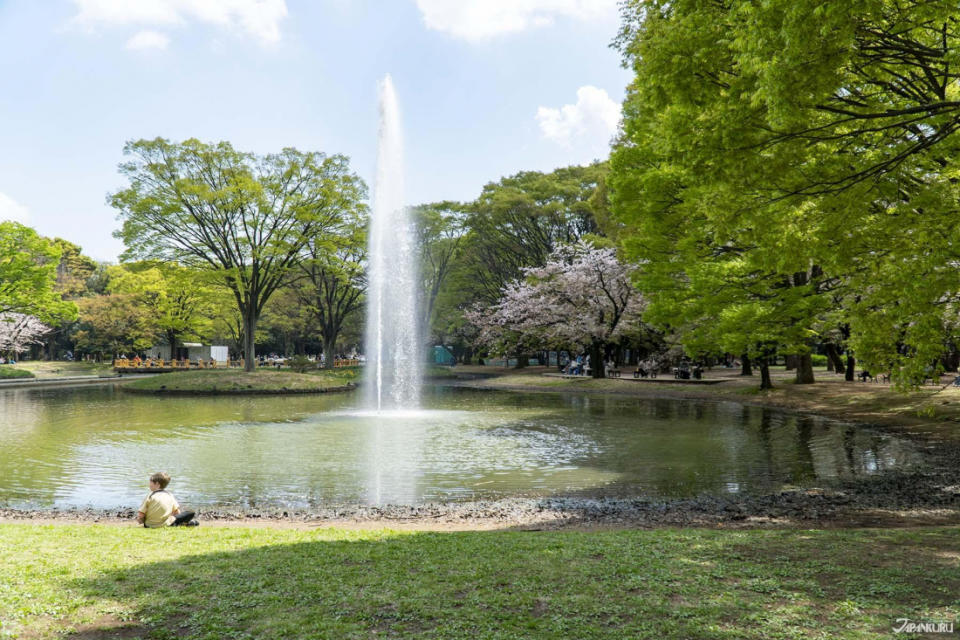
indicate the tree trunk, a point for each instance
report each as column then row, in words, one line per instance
column 950, row 361
column 805, row 369
column 249, row 331
column 746, row 369
column 172, row 341
column 791, row 362
column 329, row 344
column 596, row 361
column 523, row 361
column 765, row 382
column 851, row 363
column 833, row 358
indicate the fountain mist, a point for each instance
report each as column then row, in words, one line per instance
column 393, row 368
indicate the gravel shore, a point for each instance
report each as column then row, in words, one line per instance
column 893, row 499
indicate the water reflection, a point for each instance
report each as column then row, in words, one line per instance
column 95, row 446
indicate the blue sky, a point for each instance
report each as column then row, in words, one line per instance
column 487, row 88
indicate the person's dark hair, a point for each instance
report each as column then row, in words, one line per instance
column 161, row 478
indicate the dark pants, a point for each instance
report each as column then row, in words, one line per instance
column 183, row 518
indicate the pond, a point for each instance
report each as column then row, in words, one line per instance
column 95, row 446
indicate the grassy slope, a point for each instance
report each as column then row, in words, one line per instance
column 239, row 380
column 58, row 369
column 330, row 583
column 8, row 372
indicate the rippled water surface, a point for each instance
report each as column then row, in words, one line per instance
column 95, row 446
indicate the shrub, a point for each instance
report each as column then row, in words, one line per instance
column 300, row 364
column 819, row 360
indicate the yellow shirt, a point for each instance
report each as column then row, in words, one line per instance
column 159, row 508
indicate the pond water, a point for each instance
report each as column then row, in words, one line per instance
column 95, row 446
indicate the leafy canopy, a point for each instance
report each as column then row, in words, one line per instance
column 28, row 272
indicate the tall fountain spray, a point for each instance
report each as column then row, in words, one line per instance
column 394, row 368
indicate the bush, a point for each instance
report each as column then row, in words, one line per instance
column 818, row 360
column 301, row 364
column 7, row 372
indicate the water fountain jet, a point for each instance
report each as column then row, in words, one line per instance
column 394, row 365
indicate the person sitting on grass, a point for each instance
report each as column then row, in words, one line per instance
column 160, row 508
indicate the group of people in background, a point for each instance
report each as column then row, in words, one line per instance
column 577, row 367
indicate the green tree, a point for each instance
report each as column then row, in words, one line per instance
column 178, row 301
column 802, row 145
column 28, row 272
column 518, row 221
column 74, row 270
column 246, row 219
column 287, row 324
column 440, row 230
column 334, row 279
column 113, row 324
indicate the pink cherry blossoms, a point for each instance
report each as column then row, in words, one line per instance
column 582, row 296
column 18, row 331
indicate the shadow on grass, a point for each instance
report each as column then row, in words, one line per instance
column 636, row 584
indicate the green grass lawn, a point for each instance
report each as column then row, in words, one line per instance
column 76, row 581
column 237, row 380
column 8, row 372
column 439, row 371
column 342, row 375
column 60, row 369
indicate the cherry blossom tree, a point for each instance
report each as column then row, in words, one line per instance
column 582, row 296
column 18, row 331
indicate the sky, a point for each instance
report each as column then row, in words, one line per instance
column 487, row 88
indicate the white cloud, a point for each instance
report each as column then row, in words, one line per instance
column 144, row 40
column 259, row 19
column 593, row 118
column 12, row 210
column 477, row 20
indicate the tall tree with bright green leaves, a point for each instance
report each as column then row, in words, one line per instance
column 114, row 324
column 244, row 218
column 800, row 142
column 28, row 275
column 179, row 300
column 440, row 231
column 334, row 279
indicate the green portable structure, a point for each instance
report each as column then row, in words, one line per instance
column 442, row 355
